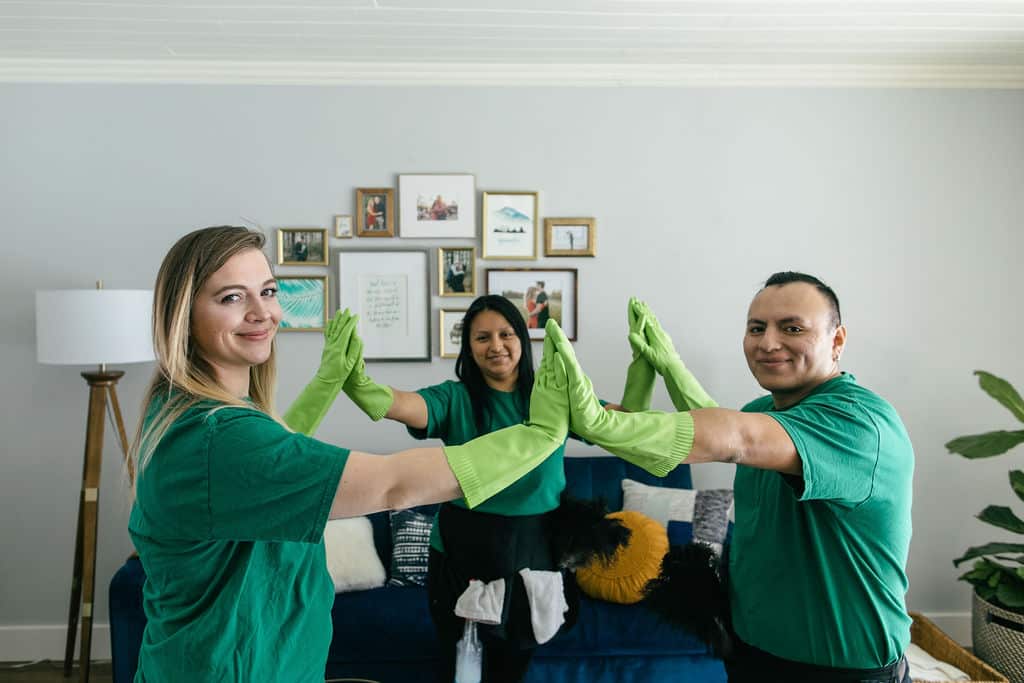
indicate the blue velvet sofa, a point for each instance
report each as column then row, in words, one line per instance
column 385, row 634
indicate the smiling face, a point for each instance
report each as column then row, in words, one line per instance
column 235, row 317
column 496, row 349
column 792, row 343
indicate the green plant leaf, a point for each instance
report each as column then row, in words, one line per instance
column 1002, row 517
column 1011, row 593
column 984, row 592
column 985, row 445
column 988, row 549
column 1002, row 391
column 1017, row 483
column 994, row 580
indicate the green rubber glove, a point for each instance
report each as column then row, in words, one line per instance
column 640, row 374
column 653, row 440
column 656, row 346
column 373, row 399
column 308, row 410
column 488, row 464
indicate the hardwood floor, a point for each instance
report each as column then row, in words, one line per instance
column 52, row 672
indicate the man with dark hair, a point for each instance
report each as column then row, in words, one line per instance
column 817, row 564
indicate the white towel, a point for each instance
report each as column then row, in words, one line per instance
column 546, row 594
column 924, row 667
column 482, row 602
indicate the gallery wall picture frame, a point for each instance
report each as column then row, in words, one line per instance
column 449, row 330
column 456, row 271
column 303, row 300
column 437, row 205
column 570, row 237
column 343, row 226
column 390, row 291
column 301, row 247
column 375, row 212
column 540, row 293
column 509, row 225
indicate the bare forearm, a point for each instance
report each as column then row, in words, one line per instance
column 409, row 408
column 749, row 439
column 371, row 483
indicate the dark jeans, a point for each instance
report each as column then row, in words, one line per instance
column 751, row 665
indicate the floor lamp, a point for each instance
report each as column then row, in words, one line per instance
column 92, row 327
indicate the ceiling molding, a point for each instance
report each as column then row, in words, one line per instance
column 437, row 74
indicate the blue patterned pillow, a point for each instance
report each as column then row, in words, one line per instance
column 410, row 546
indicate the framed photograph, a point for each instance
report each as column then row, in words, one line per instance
column 375, row 208
column 569, row 237
column 343, row 226
column 450, row 329
column 539, row 294
column 510, row 225
column 456, row 271
column 303, row 300
column 302, row 247
column 437, row 205
column 390, row 291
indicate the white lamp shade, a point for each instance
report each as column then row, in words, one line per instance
column 94, row 326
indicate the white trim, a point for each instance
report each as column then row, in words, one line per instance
column 29, row 643
column 649, row 75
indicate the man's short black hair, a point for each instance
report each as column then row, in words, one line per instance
column 787, row 276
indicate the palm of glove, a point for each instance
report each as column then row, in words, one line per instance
column 549, row 400
column 335, row 364
column 586, row 415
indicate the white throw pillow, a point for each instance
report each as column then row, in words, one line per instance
column 351, row 556
column 658, row 502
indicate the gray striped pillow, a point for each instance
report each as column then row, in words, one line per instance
column 410, row 545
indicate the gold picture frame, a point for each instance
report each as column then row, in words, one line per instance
column 380, row 220
column 456, row 271
column 302, row 246
column 509, row 225
column 303, row 300
column 343, row 226
column 449, row 329
column 570, row 237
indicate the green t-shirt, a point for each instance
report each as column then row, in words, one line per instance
column 228, row 522
column 450, row 419
column 817, row 566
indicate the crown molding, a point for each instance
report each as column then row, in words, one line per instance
column 224, row 72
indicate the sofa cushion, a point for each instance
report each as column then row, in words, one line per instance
column 707, row 510
column 601, row 477
column 352, row 560
column 410, row 545
column 391, row 623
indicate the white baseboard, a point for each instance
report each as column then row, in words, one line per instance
column 29, row 643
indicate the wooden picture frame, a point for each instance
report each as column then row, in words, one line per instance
column 343, row 226
column 570, row 237
column 437, row 205
column 559, row 286
column 380, row 221
column 449, row 331
column 390, row 291
column 456, row 271
column 302, row 246
column 303, row 300
column 509, row 225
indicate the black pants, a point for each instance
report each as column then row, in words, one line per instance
column 751, row 665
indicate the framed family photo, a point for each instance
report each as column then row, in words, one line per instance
column 450, row 330
column 569, row 237
column 509, row 225
column 343, row 226
column 539, row 294
column 456, row 271
column 437, row 205
column 302, row 247
column 374, row 212
column 390, row 291
column 303, row 300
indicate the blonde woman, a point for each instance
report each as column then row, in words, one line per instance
column 231, row 503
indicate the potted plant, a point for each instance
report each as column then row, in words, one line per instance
column 998, row 571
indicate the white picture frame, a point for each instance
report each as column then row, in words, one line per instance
column 561, row 288
column 390, row 291
column 509, row 225
column 437, row 205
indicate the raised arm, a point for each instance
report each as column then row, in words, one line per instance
column 639, row 387
column 308, row 410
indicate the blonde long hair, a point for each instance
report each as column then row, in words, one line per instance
column 183, row 378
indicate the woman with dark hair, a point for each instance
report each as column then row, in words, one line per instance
column 513, row 530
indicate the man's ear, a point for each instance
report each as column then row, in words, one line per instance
column 838, row 342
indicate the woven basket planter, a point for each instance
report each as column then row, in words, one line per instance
column 998, row 637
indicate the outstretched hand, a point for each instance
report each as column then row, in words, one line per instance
column 585, row 411
column 335, row 364
column 651, row 341
column 549, row 401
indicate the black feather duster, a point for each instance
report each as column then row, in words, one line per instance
column 580, row 533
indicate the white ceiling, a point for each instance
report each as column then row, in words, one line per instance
column 942, row 43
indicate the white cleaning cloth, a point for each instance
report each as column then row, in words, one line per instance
column 924, row 667
column 546, row 594
column 482, row 602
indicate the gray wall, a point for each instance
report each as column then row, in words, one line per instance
column 908, row 202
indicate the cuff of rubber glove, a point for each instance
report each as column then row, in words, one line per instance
column 374, row 400
column 682, row 444
column 461, row 462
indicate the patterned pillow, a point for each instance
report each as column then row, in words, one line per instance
column 706, row 510
column 410, row 546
